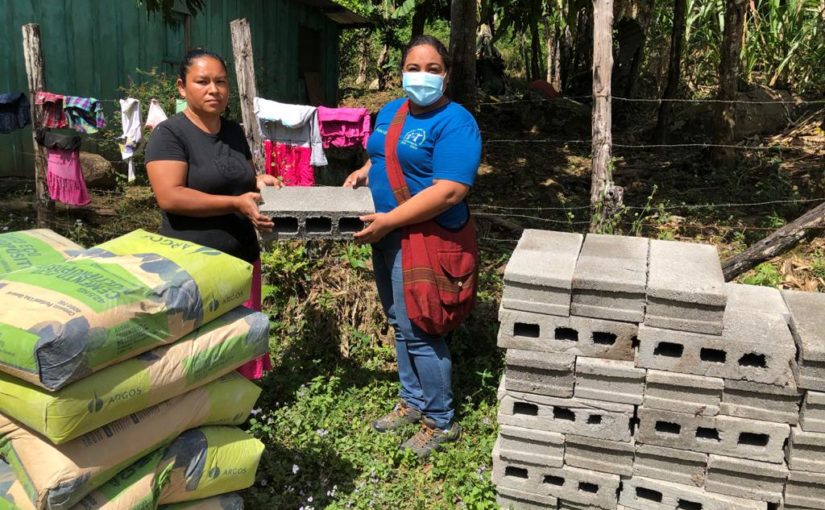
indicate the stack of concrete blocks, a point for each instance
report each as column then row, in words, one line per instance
column 637, row 378
column 315, row 212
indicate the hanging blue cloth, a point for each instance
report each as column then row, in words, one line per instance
column 14, row 112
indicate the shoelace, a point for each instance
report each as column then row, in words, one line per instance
column 424, row 436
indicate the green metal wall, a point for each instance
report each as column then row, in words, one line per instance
column 92, row 47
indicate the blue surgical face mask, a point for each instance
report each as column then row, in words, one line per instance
column 423, row 88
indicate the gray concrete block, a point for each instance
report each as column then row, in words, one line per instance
column 805, row 490
column 539, row 276
column 761, row 401
column 747, row 479
column 648, row 494
column 812, row 416
column 518, row 476
column 317, row 212
column 581, row 336
column 609, row 380
column 611, row 277
column 599, row 454
column 582, row 486
column 683, row 393
column 755, row 347
column 590, row 418
column 540, row 373
column 722, row 435
column 756, row 298
column 807, row 311
column 512, row 499
column 806, row 451
column 531, row 446
column 671, row 465
column 685, row 287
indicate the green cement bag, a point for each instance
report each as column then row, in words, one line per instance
column 231, row 501
column 63, row 321
column 57, row 477
column 28, row 248
column 201, row 463
column 135, row 384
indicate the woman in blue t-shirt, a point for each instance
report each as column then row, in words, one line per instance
column 439, row 151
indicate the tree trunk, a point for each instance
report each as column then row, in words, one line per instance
column 36, row 74
column 247, row 90
column 729, row 64
column 383, row 60
column 601, row 188
column 363, row 59
column 775, row 244
column 420, row 18
column 535, row 49
column 464, row 23
column 554, row 56
column 674, row 70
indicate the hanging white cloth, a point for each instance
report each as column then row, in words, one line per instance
column 130, row 117
column 291, row 124
column 155, row 116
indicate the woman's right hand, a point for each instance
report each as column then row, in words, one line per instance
column 357, row 178
column 247, row 204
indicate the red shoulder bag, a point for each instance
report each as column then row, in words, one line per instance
column 440, row 265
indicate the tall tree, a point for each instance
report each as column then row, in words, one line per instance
column 729, row 65
column 674, row 69
column 464, row 22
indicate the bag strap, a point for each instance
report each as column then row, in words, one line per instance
column 396, row 176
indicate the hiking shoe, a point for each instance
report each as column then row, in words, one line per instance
column 429, row 437
column 401, row 415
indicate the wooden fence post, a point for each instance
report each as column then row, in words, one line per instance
column 604, row 197
column 36, row 73
column 245, row 74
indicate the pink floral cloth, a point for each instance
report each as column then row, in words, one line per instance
column 344, row 127
column 64, row 177
column 290, row 162
column 256, row 368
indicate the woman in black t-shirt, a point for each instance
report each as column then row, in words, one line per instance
column 200, row 168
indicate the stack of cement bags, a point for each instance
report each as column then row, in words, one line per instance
column 637, row 378
column 117, row 382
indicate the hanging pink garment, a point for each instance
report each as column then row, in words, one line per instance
column 256, row 368
column 65, row 178
column 290, row 162
column 344, row 127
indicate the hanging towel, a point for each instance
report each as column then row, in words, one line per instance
column 180, row 105
column 130, row 117
column 289, row 162
column 291, row 124
column 155, row 116
column 64, row 177
column 53, row 114
column 84, row 113
column 14, row 112
column 344, row 127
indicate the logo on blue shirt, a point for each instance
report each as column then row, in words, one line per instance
column 415, row 138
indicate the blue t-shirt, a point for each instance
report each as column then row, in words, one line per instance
column 442, row 144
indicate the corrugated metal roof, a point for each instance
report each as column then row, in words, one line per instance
column 339, row 14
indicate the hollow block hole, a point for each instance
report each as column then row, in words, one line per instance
column 688, row 505
column 525, row 409
column 707, row 433
column 562, row 413
column 669, row 349
column 319, row 225
column 350, row 225
column 568, row 334
column 648, row 494
column 588, row 487
column 601, row 338
column 749, row 438
column 285, row 225
column 668, row 427
column 515, row 472
column 753, row 360
column 526, row 330
column 712, row 355
column 594, row 419
column 554, row 480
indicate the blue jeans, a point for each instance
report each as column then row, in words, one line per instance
column 424, row 361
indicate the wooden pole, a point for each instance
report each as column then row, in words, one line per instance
column 36, row 74
column 464, row 22
column 775, row 244
column 245, row 73
column 674, row 70
column 604, row 197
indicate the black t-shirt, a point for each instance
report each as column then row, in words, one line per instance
column 218, row 165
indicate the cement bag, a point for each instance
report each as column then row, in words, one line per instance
column 27, row 248
column 15, row 498
column 57, row 477
column 61, row 322
column 201, row 463
column 231, row 501
column 135, row 384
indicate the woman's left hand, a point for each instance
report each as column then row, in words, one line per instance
column 378, row 226
column 264, row 180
